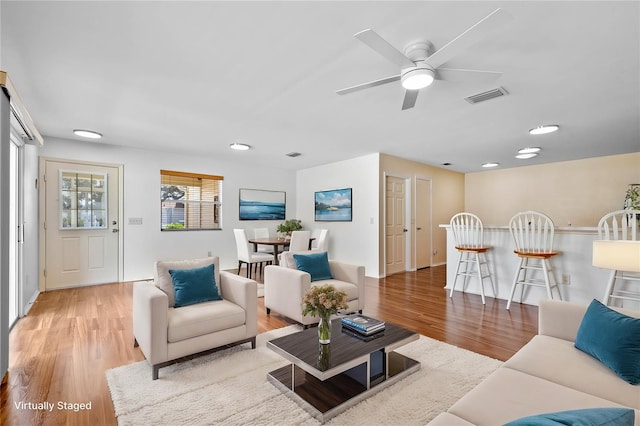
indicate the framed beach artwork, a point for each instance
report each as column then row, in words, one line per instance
column 258, row 204
column 333, row 205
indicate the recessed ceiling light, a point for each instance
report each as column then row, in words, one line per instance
column 541, row 130
column 87, row 134
column 240, row 146
column 529, row 150
column 526, row 156
column 489, row 165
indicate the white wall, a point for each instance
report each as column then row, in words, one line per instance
column 356, row 241
column 144, row 244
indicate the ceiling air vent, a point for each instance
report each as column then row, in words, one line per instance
column 293, row 154
column 485, row 96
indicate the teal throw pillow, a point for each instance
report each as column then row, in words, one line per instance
column 195, row 285
column 585, row 417
column 316, row 264
column 613, row 339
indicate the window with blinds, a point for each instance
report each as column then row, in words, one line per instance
column 190, row 201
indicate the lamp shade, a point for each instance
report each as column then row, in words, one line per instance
column 620, row 255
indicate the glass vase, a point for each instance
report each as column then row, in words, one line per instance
column 324, row 329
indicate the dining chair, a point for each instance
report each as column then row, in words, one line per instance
column 299, row 241
column 321, row 240
column 246, row 255
column 468, row 233
column 532, row 234
column 262, row 233
column 620, row 225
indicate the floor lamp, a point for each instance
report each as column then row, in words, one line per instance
column 619, row 256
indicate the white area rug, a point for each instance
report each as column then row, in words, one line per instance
column 230, row 387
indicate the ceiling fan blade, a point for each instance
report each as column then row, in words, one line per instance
column 410, row 97
column 382, row 46
column 369, row 84
column 472, row 35
column 467, row 76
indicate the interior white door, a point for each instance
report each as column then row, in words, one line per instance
column 81, row 224
column 423, row 223
column 395, row 229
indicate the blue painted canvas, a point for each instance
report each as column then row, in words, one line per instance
column 257, row 204
column 333, row 206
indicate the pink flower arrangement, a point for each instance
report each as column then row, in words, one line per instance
column 324, row 301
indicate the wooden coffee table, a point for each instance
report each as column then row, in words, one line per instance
column 326, row 384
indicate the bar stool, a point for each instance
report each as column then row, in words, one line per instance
column 532, row 234
column 468, row 234
column 620, row 225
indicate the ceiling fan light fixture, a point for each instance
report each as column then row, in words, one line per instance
column 544, row 129
column 90, row 134
column 417, row 78
column 240, row 146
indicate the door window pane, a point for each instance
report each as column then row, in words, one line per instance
column 83, row 200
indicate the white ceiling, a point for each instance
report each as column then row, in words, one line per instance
column 197, row 76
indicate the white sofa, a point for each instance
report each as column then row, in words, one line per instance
column 285, row 287
column 166, row 333
column 547, row 375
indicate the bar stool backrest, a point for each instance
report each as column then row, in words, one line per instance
column 619, row 225
column 532, row 232
column 468, row 230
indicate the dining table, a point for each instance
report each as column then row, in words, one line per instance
column 276, row 243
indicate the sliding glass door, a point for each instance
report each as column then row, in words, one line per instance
column 17, row 229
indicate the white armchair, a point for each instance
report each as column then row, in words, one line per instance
column 166, row 333
column 285, row 286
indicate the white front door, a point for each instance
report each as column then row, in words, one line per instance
column 423, row 223
column 395, row 230
column 81, row 224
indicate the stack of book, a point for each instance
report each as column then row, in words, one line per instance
column 362, row 324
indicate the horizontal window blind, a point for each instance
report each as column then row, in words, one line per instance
column 190, row 201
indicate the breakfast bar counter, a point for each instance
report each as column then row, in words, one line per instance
column 578, row 280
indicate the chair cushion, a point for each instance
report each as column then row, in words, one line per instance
column 195, row 285
column 316, row 264
column 203, row 318
column 589, row 416
column 613, row 339
column 349, row 288
column 162, row 279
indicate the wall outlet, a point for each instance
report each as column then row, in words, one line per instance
column 208, row 254
column 566, row 279
column 435, row 252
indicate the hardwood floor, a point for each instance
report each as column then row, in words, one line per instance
column 61, row 350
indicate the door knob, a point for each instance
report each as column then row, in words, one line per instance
column 114, row 230
column 418, row 228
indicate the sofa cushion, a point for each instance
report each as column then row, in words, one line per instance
column 195, row 285
column 509, row 394
column 613, row 339
column 203, row 318
column 162, row 278
column 586, row 417
column 316, row 264
column 349, row 288
column 558, row 361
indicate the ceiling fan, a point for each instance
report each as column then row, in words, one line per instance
column 420, row 67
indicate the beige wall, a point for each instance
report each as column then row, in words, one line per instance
column 576, row 192
column 447, row 192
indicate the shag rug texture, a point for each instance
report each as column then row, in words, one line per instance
column 230, row 387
